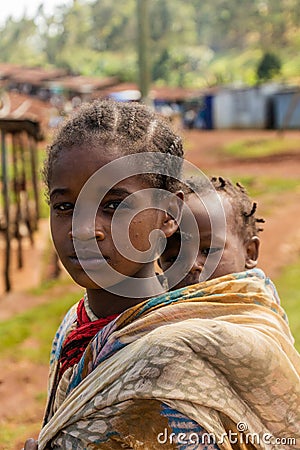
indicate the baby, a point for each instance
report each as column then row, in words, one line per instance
column 221, row 251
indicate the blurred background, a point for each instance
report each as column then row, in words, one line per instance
column 227, row 75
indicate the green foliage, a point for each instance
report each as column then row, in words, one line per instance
column 260, row 147
column 269, row 66
column 189, row 42
column 20, row 42
column 288, row 288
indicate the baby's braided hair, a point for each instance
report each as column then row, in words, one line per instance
column 242, row 206
column 127, row 127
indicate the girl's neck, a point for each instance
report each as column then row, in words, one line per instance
column 104, row 303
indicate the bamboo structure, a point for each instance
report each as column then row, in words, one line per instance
column 19, row 203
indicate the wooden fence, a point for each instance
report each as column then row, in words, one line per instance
column 19, row 202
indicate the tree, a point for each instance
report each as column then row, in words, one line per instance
column 268, row 66
column 19, row 42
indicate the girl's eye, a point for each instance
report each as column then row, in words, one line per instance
column 172, row 259
column 113, row 205
column 63, row 207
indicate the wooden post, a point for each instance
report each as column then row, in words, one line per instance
column 143, row 49
column 34, row 164
column 25, row 208
column 6, row 211
column 16, row 188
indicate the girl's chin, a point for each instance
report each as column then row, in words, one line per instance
column 97, row 281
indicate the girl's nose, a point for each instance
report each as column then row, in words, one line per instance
column 86, row 233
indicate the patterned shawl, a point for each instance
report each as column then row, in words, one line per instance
column 214, row 359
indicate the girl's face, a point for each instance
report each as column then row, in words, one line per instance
column 70, row 172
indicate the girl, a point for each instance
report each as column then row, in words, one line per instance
column 208, row 366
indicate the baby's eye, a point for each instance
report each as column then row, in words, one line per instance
column 167, row 261
column 210, row 250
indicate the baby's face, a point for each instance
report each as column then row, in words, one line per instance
column 220, row 251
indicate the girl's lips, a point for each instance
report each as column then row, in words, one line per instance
column 88, row 263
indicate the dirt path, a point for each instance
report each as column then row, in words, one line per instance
column 22, row 383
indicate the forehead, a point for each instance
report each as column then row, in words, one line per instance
column 86, row 159
column 211, row 210
column 76, row 165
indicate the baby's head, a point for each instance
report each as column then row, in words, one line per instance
column 233, row 251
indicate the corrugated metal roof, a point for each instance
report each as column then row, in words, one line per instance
column 83, row 84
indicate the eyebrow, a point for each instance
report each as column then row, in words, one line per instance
column 118, row 191
column 114, row 191
column 58, row 191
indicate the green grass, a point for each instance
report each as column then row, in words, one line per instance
column 29, row 335
column 250, row 148
column 262, row 185
column 288, row 286
column 11, row 434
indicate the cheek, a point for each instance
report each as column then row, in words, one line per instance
column 230, row 263
column 59, row 232
column 140, row 230
column 54, row 231
column 139, row 237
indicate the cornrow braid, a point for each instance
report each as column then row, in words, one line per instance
column 251, row 213
column 151, row 129
column 107, row 120
column 126, row 127
column 134, row 122
column 243, row 208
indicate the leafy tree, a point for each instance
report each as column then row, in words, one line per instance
column 19, row 42
column 268, row 67
column 187, row 39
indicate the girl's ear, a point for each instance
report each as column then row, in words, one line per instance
column 173, row 214
column 252, row 252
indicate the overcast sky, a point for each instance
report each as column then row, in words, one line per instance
column 16, row 8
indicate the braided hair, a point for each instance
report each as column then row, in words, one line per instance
column 244, row 209
column 127, row 127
